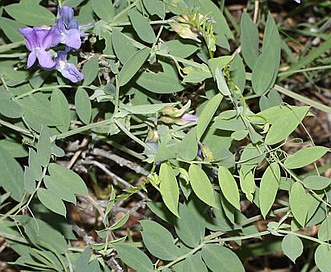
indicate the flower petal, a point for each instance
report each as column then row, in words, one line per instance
column 71, row 72
column 72, row 38
column 31, row 59
column 45, row 59
column 29, row 36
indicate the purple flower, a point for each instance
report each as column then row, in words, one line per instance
column 188, row 118
column 66, row 29
column 67, row 69
column 37, row 41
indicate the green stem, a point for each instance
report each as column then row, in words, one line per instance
column 118, row 15
column 296, row 96
column 13, row 238
column 156, row 22
column 41, row 89
column 183, row 257
column 117, row 95
column 128, row 133
column 10, row 46
column 238, row 238
column 313, row 239
column 18, row 129
column 305, row 70
column 83, row 129
column 303, row 99
column 12, row 56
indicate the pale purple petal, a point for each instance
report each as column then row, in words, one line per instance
column 72, row 38
column 28, row 34
column 68, row 70
column 45, row 59
column 66, row 13
column 189, row 118
column 31, row 59
column 71, row 72
column 44, row 37
column 66, row 29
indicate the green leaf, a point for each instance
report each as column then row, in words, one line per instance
column 247, row 184
column 305, row 157
column 86, row 15
column 37, row 14
column 249, row 40
column 229, row 120
column 42, row 234
column 169, row 188
column 44, row 147
column 268, row 188
column 83, row 105
column 316, row 182
column 284, row 120
column 90, row 70
column 104, row 9
column 324, row 232
column 33, row 172
column 201, row 185
column 161, row 82
column 180, row 48
column 227, row 208
column 264, row 72
column 60, row 109
column 81, row 264
column 188, row 148
column 9, row 107
column 219, row 258
column 11, row 173
column 266, row 67
column 72, row 3
column 323, row 257
column 142, row 26
column 146, row 109
column 207, row 114
column 154, row 7
column 251, row 156
column 273, row 99
column 67, row 178
column 190, row 212
column 158, row 240
column 228, row 186
column 292, row 246
column 298, row 203
column 194, row 263
column 313, row 204
column 38, row 111
column 10, row 28
column 194, row 74
column 132, row 65
column 134, row 258
column 123, row 47
column 16, row 149
column 121, row 222
column 59, row 189
column 52, row 202
column 239, row 134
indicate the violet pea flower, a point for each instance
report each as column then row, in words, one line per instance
column 67, row 69
column 37, row 41
column 188, row 118
column 66, row 29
